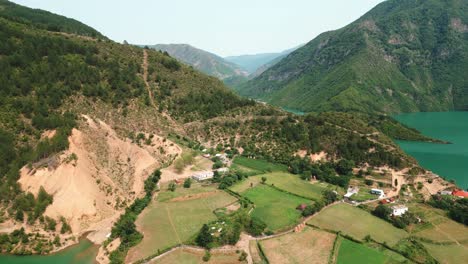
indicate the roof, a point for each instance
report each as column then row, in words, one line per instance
column 459, row 193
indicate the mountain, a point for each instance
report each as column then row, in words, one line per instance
column 402, row 56
column 256, row 62
column 203, row 61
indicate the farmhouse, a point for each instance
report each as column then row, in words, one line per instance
column 201, row 176
column 223, row 170
column 446, row 192
column 301, row 207
column 399, row 210
column 351, row 191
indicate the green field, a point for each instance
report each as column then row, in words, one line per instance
column 176, row 217
column 277, row 209
column 185, row 256
column 364, row 195
column 287, row 182
column 350, row 252
column 257, row 166
column 357, row 223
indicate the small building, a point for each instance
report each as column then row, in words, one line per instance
column 351, row 191
column 378, row 192
column 399, row 210
column 460, row 194
column 207, row 156
column 201, row 176
column 446, row 192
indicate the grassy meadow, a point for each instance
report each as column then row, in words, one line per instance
column 350, row 252
column 185, row 256
column 176, row 217
column 357, row 223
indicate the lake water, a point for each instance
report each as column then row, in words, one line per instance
column 447, row 160
column 83, row 253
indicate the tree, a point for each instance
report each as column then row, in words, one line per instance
column 204, row 237
column 329, row 196
column 344, row 167
column 382, row 211
column 264, row 179
column 255, row 226
column 187, row 183
column 172, row 187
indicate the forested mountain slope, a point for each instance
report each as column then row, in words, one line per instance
column 402, row 56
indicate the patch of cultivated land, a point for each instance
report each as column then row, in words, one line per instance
column 176, row 217
column 288, row 182
column 351, row 252
column 438, row 227
column 357, row 223
column 276, row 208
column 189, row 256
column 448, row 254
column 309, row 246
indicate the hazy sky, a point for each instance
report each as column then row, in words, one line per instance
column 225, row 27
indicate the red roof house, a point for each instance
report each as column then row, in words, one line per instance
column 459, row 193
column 301, row 207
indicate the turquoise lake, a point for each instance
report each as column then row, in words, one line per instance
column 447, row 160
column 83, row 253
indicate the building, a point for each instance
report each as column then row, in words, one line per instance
column 446, row 192
column 399, row 210
column 223, row 170
column 301, row 207
column 201, row 176
column 378, row 192
column 351, row 191
column 460, row 194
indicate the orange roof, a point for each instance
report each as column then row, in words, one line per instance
column 460, row 194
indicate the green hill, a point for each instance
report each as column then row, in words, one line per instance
column 402, row 56
column 45, row 20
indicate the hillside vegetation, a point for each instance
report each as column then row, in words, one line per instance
column 402, row 56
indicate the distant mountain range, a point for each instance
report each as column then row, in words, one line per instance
column 203, row 61
column 233, row 70
column 255, row 64
column 402, row 56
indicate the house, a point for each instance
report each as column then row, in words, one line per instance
column 378, row 192
column 399, row 210
column 460, row 194
column 446, row 192
column 386, row 201
column 201, row 176
column 207, row 156
column 351, row 191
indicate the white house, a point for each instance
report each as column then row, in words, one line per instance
column 223, row 170
column 399, row 210
column 378, row 192
column 201, row 176
column 351, row 191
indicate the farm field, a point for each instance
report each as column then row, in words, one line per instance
column 257, row 165
column 288, row 182
column 187, row 256
column 448, row 254
column 350, row 252
column 176, row 217
column 439, row 228
column 277, row 209
column 357, row 223
column 364, row 195
column 309, row 246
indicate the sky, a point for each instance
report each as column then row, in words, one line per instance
column 224, row 27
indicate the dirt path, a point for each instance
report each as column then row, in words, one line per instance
column 172, row 224
column 145, row 77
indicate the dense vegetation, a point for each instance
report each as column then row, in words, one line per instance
column 457, row 209
column 45, row 20
column 402, row 56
